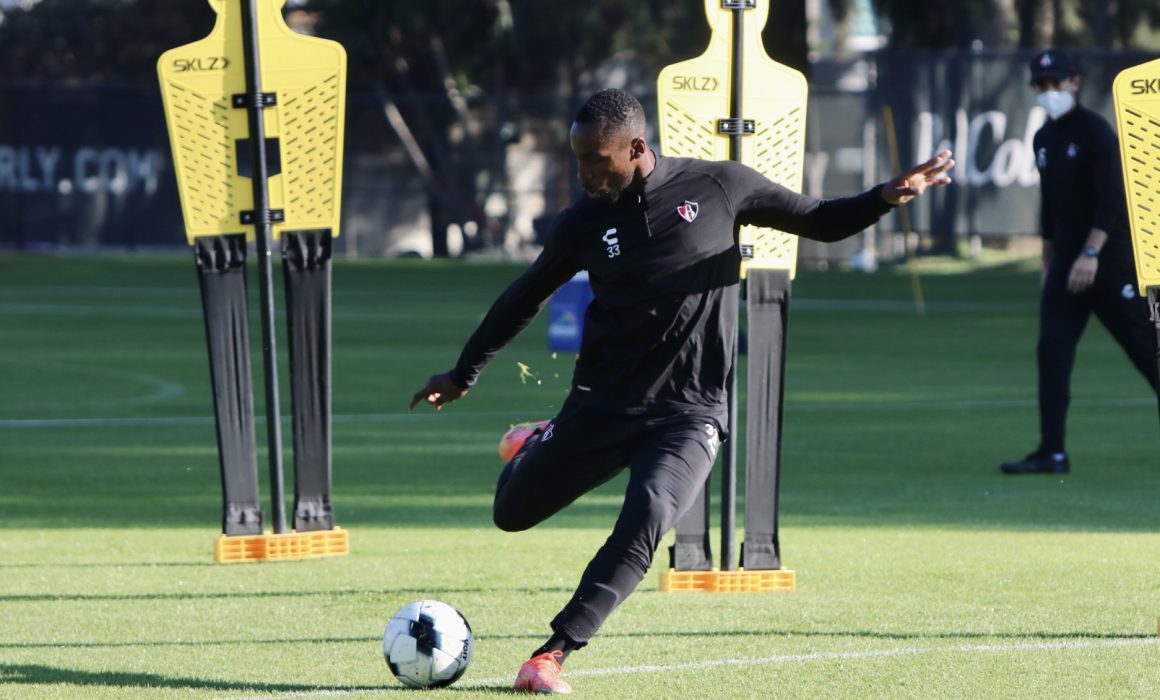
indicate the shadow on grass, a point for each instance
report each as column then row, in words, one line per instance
column 930, row 398
column 836, row 634
column 864, row 634
column 116, row 565
column 427, row 590
column 37, row 674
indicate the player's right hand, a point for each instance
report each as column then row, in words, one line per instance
column 440, row 389
column 1082, row 275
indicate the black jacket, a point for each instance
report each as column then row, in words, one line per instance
column 664, row 267
column 1082, row 185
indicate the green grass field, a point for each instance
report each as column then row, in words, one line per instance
column 921, row 571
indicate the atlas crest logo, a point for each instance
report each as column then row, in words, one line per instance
column 688, row 211
column 206, row 63
column 1145, row 86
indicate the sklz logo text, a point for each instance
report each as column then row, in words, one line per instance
column 1142, row 86
column 695, row 83
column 208, row 63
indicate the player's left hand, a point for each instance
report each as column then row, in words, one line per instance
column 440, row 389
column 915, row 181
column 1083, row 274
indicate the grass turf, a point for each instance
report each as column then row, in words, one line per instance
column 921, row 571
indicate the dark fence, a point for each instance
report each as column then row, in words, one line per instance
column 978, row 104
column 85, row 167
column 88, row 166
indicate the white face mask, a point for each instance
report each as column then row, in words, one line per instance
column 1056, row 102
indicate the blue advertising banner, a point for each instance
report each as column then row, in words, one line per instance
column 85, row 166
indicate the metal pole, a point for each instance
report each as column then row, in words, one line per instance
column 729, row 470
column 263, row 232
column 1154, row 307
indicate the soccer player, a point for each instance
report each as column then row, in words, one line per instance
column 1087, row 253
column 658, row 237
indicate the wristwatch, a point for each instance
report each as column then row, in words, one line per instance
column 1090, row 251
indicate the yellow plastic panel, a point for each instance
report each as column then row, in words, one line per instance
column 291, row 545
column 692, row 95
column 1137, row 96
column 740, row 581
column 308, row 78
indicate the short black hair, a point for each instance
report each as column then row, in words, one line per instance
column 613, row 109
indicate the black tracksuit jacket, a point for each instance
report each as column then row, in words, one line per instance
column 1083, row 187
column 664, row 266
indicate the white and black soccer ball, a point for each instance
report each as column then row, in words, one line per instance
column 428, row 644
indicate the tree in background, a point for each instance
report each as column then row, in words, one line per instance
column 1112, row 24
column 449, row 72
column 84, row 40
column 947, row 25
column 785, row 33
column 1029, row 24
column 477, row 55
column 1037, row 21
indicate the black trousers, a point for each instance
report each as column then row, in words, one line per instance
column 1114, row 300
column 668, row 458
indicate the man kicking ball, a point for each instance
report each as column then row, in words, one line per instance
column 658, row 237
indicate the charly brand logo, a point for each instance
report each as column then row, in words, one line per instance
column 1072, row 150
column 1041, row 157
column 1128, row 292
column 612, row 242
column 205, row 63
column 688, row 211
column 714, row 438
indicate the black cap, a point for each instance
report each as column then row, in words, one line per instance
column 1052, row 64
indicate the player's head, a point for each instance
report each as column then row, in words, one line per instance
column 1055, row 70
column 1056, row 78
column 608, row 138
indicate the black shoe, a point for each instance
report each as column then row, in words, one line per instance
column 1037, row 463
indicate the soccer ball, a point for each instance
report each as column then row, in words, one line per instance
column 428, row 644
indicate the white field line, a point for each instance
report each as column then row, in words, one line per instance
column 791, row 407
column 764, row 661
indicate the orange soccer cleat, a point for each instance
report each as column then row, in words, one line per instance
column 541, row 674
column 516, row 436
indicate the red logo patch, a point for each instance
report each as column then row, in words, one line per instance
column 688, row 211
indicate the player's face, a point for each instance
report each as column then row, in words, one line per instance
column 1043, row 85
column 607, row 161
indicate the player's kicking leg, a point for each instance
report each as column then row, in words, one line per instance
column 553, row 464
column 670, row 459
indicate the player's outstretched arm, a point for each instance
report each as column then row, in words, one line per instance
column 918, row 179
column 440, row 389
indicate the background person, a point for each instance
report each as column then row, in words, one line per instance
column 1087, row 252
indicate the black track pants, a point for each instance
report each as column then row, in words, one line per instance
column 1062, row 319
column 668, row 460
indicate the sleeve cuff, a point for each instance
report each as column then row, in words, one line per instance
column 884, row 206
column 457, row 377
